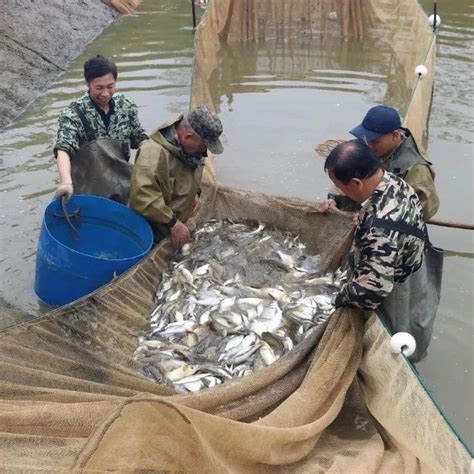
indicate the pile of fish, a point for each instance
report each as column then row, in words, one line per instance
column 234, row 300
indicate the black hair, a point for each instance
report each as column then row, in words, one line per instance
column 352, row 159
column 98, row 67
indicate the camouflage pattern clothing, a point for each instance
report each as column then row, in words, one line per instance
column 123, row 125
column 383, row 257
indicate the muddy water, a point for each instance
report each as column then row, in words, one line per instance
column 154, row 52
column 276, row 102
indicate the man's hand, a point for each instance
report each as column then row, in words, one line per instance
column 326, row 205
column 179, row 234
column 197, row 206
column 330, row 204
column 66, row 190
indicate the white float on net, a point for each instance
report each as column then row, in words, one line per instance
column 421, row 71
column 432, row 18
column 402, row 342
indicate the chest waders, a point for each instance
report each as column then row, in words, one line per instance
column 100, row 167
column 411, row 306
column 404, row 157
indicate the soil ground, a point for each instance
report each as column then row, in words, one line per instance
column 38, row 39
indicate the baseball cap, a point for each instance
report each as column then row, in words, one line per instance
column 378, row 121
column 208, row 126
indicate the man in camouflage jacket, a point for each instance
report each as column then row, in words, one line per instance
column 389, row 238
column 101, row 116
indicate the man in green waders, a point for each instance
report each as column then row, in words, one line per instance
column 394, row 269
column 94, row 137
column 166, row 177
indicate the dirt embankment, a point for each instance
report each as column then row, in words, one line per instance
column 38, row 39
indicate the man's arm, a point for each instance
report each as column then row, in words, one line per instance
column 65, row 187
column 69, row 133
column 419, row 177
column 63, row 162
column 373, row 276
column 67, row 142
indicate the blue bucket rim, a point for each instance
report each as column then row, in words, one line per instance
column 88, row 196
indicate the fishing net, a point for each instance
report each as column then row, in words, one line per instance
column 124, row 6
column 413, row 44
column 72, row 397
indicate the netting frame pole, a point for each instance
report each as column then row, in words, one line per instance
column 193, row 7
column 435, row 13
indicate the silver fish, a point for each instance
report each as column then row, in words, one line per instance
column 267, row 353
column 180, row 373
column 233, row 301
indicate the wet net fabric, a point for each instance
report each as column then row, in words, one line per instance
column 124, row 6
column 413, row 43
column 73, row 400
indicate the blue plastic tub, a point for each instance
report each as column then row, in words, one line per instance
column 112, row 238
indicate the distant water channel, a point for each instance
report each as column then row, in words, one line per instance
column 277, row 102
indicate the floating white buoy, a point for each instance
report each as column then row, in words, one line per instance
column 421, row 71
column 402, row 342
column 332, row 15
column 431, row 20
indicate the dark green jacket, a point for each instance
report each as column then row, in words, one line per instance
column 163, row 186
column 407, row 163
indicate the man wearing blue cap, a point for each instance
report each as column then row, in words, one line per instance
column 382, row 131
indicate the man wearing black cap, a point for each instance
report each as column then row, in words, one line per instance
column 382, row 131
column 166, row 177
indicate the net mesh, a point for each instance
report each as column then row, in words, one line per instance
column 73, row 400
column 123, row 6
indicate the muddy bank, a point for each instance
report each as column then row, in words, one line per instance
column 38, row 39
